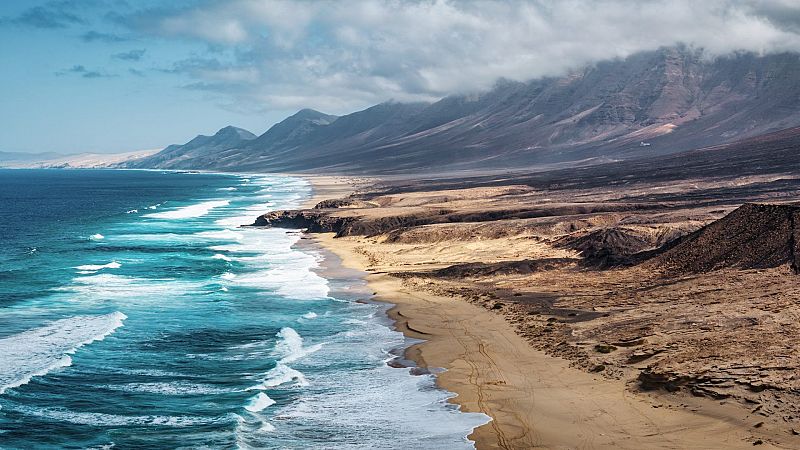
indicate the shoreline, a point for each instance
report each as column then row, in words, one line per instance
column 534, row 400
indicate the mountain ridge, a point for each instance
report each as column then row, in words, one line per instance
column 651, row 103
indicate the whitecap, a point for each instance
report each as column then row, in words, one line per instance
column 171, row 388
column 40, row 350
column 132, row 211
column 290, row 346
column 228, row 276
column 221, row 234
column 198, row 210
column 259, row 402
column 310, row 315
column 279, row 375
column 96, row 267
column 266, row 427
column 102, row 419
column 222, row 257
column 101, row 287
column 96, row 237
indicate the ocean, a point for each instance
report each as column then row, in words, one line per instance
column 135, row 313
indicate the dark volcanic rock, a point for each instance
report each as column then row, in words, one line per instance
column 326, row 220
column 613, row 246
column 312, row 220
column 322, row 221
column 343, row 203
column 524, row 266
column 754, row 236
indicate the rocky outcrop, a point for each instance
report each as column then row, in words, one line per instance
column 526, row 266
column 754, row 236
column 314, row 221
column 329, row 217
column 618, row 245
column 348, row 202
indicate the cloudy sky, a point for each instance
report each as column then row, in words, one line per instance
column 117, row 75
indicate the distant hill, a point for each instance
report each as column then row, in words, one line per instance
column 202, row 152
column 647, row 105
column 12, row 159
column 72, row 161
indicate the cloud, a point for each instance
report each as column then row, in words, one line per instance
column 342, row 55
column 96, row 36
column 84, row 72
column 50, row 15
column 133, row 55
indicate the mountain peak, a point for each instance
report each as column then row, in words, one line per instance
column 235, row 132
column 313, row 116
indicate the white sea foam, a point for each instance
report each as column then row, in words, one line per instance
column 288, row 282
column 101, row 419
column 228, row 276
column 40, row 350
column 385, row 397
column 198, row 210
column 310, row 315
column 227, row 189
column 290, row 346
column 96, row 267
column 250, row 431
column 99, row 287
column 266, row 427
column 96, row 237
column 259, row 402
column 171, row 388
column 279, row 375
column 222, row 257
column 221, row 234
column 132, row 211
column 290, row 271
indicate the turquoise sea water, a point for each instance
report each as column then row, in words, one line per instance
column 134, row 313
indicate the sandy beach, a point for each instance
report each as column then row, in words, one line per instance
column 536, row 400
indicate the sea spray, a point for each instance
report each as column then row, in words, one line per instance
column 290, row 346
column 259, row 402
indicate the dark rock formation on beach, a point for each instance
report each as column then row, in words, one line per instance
column 345, row 221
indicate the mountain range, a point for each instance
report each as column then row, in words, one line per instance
column 649, row 104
